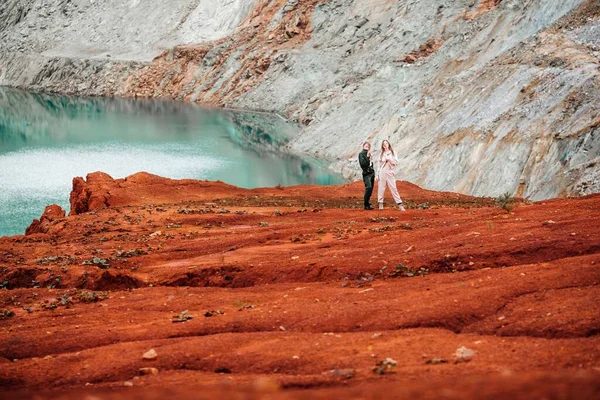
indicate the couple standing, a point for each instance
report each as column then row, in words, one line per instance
column 385, row 174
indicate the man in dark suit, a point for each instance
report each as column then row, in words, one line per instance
column 368, row 172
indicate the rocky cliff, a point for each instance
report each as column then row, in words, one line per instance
column 478, row 96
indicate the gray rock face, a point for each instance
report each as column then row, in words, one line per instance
column 90, row 47
column 476, row 97
column 132, row 30
column 502, row 106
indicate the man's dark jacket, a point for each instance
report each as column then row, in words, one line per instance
column 365, row 163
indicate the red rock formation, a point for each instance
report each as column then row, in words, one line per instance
column 90, row 194
column 52, row 213
column 99, row 190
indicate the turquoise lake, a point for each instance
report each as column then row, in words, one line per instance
column 46, row 140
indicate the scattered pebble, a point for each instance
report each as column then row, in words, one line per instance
column 213, row 313
column 150, row 355
column 148, row 371
column 463, row 354
column 436, row 361
column 182, row 317
column 386, row 366
column 342, row 373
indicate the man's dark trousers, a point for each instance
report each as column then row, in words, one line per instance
column 369, row 181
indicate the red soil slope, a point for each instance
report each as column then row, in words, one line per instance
column 298, row 293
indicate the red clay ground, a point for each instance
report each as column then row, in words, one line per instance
column 307, row 293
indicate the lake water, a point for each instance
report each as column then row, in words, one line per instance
column 46, row 140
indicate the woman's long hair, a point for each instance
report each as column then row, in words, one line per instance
column 383, row 150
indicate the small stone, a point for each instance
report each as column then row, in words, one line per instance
column 386, row 366
column 281, row 328
column 148, row 371
column 463, row 354
column 128, row 383
column 436, row 361
column 150, row 355
column 343, row 373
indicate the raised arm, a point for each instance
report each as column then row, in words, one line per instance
column 391, row 159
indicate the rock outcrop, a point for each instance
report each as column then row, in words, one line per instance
column 99, row 191
column 90, row 194
column 51, row 214
column 479, row 96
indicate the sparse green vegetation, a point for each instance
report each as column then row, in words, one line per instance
column 404, row 271
column 182, row 317
column 506, row 202
column 385, row 367
column 88, row 296
column 382, row 229
column 243, row 305
column 130, row 253
column 97, row 261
